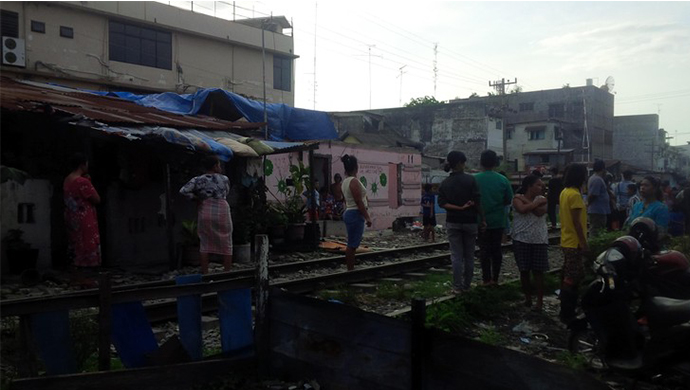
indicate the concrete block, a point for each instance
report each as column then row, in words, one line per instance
column 414, row 275
column 208, row 323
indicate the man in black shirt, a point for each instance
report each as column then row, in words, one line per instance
column 459, row 195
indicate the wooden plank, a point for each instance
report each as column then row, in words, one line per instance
column 91, row 299
column 104, row 320
column 452, row 360
column 189, row 318
column 51, row 333
column 29, row 365
column 236, row 323
column 364, row 350
column 262, row 330
column 177, row 376
column 132, row 334
column 417, row 347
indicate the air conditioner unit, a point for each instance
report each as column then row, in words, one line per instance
column 13, row 52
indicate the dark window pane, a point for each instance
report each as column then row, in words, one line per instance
column 116, row 27
column 163, row 55
column 148, row 52
column 148, row 34
column 66, row 32
column 9, row 24
column 38, row 27
column 163, row 36
column 133, row 31
column 132, row 50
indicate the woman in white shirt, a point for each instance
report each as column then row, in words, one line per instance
column 530, row 237
column 355, row 215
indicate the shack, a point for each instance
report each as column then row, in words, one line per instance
column 139, row 158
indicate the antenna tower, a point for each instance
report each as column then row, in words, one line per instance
column 500, row 85
column 585, row 134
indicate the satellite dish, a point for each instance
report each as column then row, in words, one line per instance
column 609, row 84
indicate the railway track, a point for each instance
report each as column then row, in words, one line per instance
column 397, row 261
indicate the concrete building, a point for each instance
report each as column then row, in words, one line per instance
column 145, row 47
column 464, row 126
column 569, row 109
column 637, row 141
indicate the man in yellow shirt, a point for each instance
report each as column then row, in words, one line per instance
column 573, row 215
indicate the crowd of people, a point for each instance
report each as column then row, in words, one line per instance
column 479, row 207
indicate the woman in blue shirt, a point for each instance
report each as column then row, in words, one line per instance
column 651, row 205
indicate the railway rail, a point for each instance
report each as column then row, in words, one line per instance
column 166, row 309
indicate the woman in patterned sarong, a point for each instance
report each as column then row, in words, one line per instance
column 81, row 221
column 214, row 224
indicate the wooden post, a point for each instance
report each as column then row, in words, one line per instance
column 417, row 344
column 29, row 365
column 104, row 321
column 262, row 334
column 172, row 259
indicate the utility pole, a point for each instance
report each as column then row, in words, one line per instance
column 500, row 85
column 315, row 25
column 435, row 66
column 401, row 77
column 370, row 46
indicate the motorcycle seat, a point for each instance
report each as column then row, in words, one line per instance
column 662, row 311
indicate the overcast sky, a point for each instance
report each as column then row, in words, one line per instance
column 644, row 46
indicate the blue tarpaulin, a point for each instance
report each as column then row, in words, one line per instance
column 284, row 122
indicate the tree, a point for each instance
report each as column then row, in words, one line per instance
column 516, row 89
column 474, row 95
column 423, row 101
column 565, row 86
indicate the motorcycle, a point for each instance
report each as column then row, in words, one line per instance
column 637, row 311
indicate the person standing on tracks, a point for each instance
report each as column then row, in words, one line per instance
column 459, row 195
column 214, row 224
column 573, row 214
column 356, row 214
column 496, row 194
column 598, row 200
column 428, row 214
column 531, row 237
column 81, row 220
column 555, row 188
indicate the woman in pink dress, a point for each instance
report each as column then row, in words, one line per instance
column 214, row 224
column 81, row 199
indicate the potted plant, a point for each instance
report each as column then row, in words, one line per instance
column 189, row 247
column 20, row 255
column 294, row 209
column 277, row 223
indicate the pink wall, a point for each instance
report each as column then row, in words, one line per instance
column 378, row 167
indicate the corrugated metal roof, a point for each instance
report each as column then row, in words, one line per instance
column 18, row 96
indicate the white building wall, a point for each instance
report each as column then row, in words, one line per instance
column 38, row 193
column 519, row 144
column 211, row 52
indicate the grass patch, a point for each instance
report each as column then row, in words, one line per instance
column 459, row 315
column 680, row 244
column 91, row 364
column 491, row 336
column 342, row 293
column 575, row 361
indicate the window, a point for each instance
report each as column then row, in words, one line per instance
column 556, row 110
column 527, row 106
column 10, row 24
column 25, row 213
column 536, row 135
column 545, row 158
column 66, row 32
column 282, row 73
column 140, row 45
column 38, row 27
column 509, row 133
column 499, row 124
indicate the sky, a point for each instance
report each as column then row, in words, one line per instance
column 356, row 55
